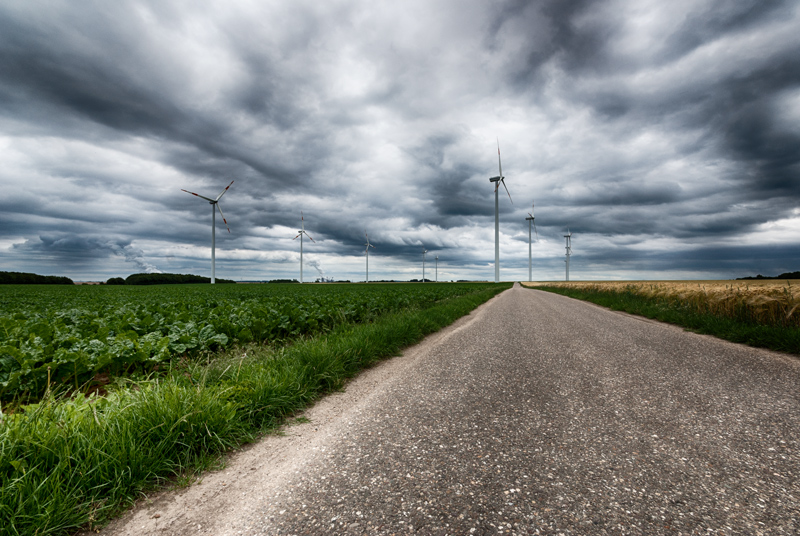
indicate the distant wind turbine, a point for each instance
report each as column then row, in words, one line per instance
column 300, row 234
column 437, row 268
column 497, row 180
column 424, row 251
column 530, row 219
column 366, row 252
column 214, row 203
column 568, row 236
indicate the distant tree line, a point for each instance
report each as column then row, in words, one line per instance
column 163, row 279
column 787, row 275
column 23, row 278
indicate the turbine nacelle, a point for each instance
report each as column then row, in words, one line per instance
column 568, row 236
column 214, row 202
column 500, row 178
column 531, row 219
column 497, row 181
column 366, row 252
column 302, row 231
column 299, row 233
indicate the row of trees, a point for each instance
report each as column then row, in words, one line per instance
column 24, row 278
column 163, row 279
column 787, row 275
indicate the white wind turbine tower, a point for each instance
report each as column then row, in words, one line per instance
column 300, row 234
column 424, row 251
column 497, row 180
column 568, row 236
column 367, row 253
column 437, row 268
column 530, row 219
column 214, row 203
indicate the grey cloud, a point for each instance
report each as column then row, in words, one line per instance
column 383, row 117
column 81, row 250
column 713, row 19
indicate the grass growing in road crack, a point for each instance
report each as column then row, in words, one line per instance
column 70, row 463
column 758, row 317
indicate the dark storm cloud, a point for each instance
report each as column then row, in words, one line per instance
column 551, row 34
column 451, row 185
column 55, row 66
column 770, row 152
column 93, row 66
column 627, row 122
column 735, row 112
column 715, row 19
column 623, row 192
column 724, row 262
column 456, row 200
column 70, row 250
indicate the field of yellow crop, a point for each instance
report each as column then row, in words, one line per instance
column 768, row 302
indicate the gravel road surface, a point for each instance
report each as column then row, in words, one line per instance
column 537, row 414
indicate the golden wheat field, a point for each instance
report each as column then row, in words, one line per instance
column 771, row 301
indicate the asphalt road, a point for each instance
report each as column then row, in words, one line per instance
column 541, row 414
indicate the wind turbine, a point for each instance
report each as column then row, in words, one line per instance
column 424, row 251
column 530, row 219
column 214, row 203
column 366, row 252
column 300, row 234
column 497, row 180
column 568, row 236
column 437, row 268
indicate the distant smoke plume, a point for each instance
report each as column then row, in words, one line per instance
column 134, row 255
column 316, row 265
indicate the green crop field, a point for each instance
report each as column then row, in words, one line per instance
column 188, row 372
column 70, row 334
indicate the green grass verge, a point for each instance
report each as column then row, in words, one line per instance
column 72, row 463
column 779, row 338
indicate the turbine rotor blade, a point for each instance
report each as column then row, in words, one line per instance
column 534, row 230
column 198, row 195
column 223, row 217
column 308, row 235
column 506, row 187
column 223, row 191
column 499, row 162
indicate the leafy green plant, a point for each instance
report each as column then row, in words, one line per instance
column 74, row 462
column 78, row 332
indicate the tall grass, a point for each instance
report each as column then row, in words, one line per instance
column 71, row 463
column 762, row 314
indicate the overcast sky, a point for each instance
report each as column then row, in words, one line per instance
column 664, row 135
